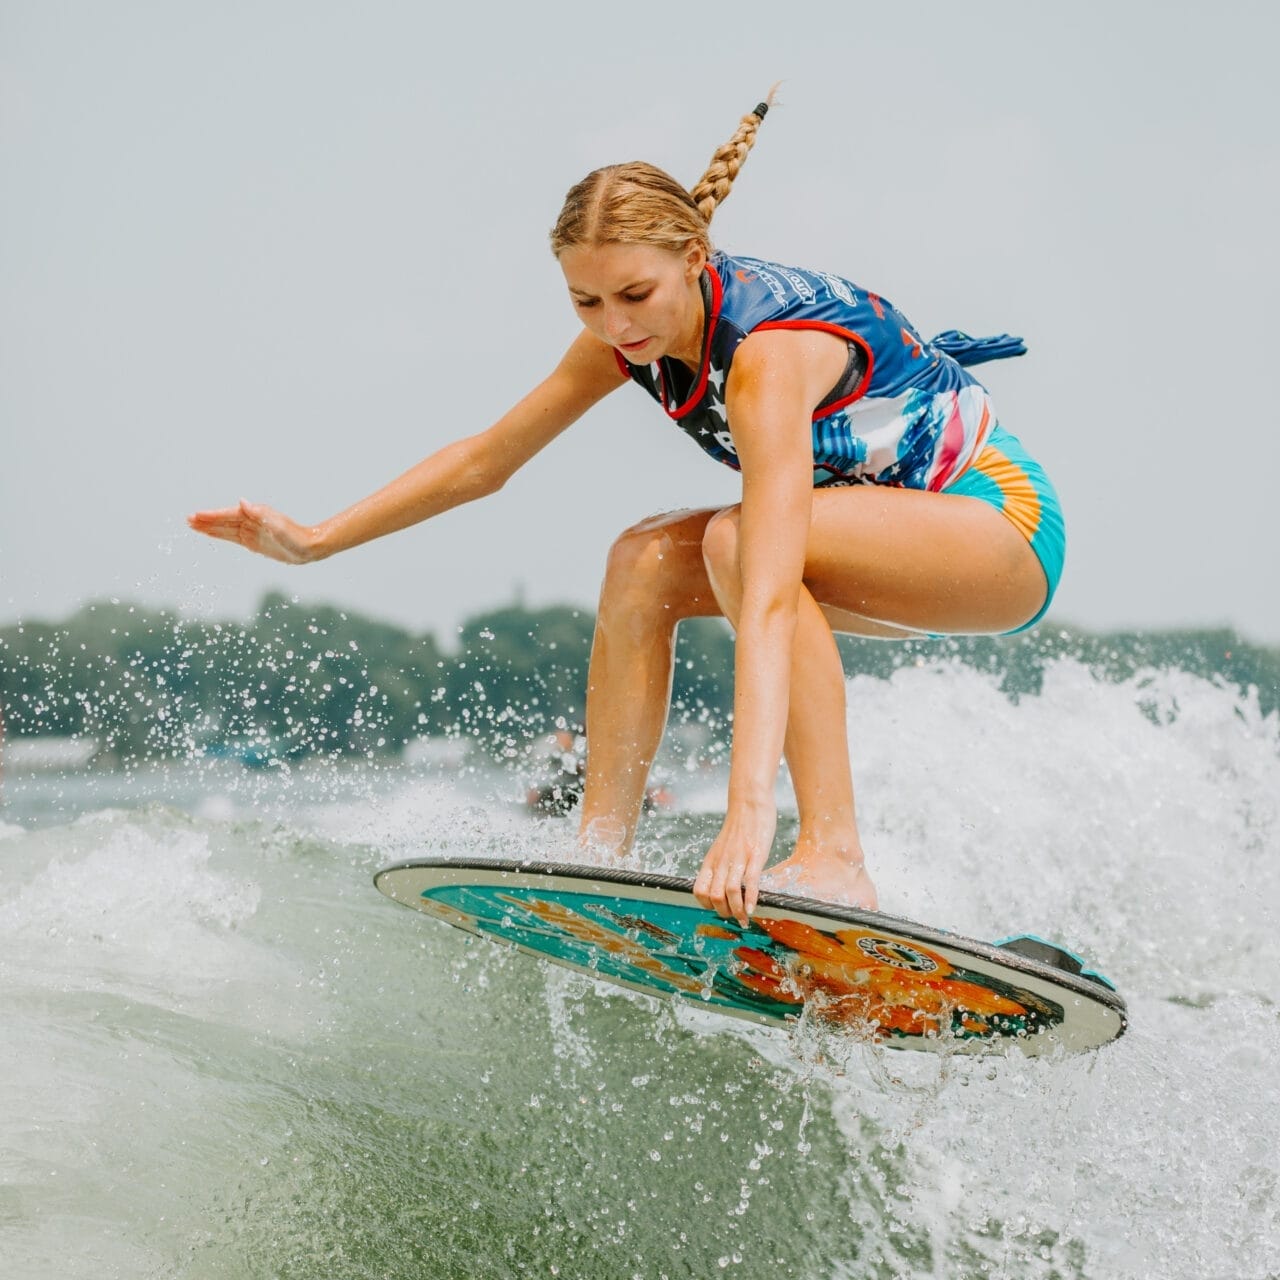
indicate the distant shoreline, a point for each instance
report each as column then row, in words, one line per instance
column 303, row 680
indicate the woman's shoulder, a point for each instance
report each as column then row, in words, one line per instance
column 761, row 288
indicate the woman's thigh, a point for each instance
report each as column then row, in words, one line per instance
column 885, row 561
column 881, row 562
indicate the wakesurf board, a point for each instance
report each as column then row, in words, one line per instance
column 892, row 981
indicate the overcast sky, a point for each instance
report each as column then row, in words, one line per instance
column 283, row 250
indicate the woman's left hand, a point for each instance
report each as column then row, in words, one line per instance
column 729, row 881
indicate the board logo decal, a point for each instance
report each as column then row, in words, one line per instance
column 897, row 954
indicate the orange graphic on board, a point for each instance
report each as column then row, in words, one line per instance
column 852, row 977
column 855, row 976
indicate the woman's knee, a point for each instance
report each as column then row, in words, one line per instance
column 647, row 573
column 720, row 551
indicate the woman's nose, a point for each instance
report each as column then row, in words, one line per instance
column 615, row 321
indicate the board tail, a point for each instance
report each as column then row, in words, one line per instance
column 1035, row 947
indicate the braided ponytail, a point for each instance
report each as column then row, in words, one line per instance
column 714, row 185
column 638, row 203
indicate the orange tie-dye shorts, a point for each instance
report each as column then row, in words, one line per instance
column 1011, row 480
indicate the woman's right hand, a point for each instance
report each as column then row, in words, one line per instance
column 460, row 472
column 262, row 529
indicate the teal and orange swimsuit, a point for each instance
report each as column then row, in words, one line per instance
column 906, row 412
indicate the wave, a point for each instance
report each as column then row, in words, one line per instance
column 228, row 1055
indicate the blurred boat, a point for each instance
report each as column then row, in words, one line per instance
column 47, row 754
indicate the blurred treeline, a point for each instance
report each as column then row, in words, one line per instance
column 298, row 680
column 302, row 679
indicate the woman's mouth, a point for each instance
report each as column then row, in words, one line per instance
column 632, row 347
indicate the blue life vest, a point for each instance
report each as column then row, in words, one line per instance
column 906, row 411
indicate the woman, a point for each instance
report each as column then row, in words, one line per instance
column 879, row 497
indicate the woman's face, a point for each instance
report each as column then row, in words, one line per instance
column 643, row 301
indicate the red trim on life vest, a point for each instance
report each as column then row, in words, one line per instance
column 704, row 369
column 826, row 410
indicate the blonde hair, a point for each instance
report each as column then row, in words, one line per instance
column 637, row 203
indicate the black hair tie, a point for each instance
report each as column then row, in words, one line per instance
column 762, row 110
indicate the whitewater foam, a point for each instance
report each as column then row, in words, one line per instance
column 225, row 1050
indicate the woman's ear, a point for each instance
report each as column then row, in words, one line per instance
column 695, row 258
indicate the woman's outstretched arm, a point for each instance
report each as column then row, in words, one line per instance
column 460, row 472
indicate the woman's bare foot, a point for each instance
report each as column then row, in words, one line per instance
column 832, row 874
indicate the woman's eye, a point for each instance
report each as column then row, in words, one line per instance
column 634, row 297
column 584, row 303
